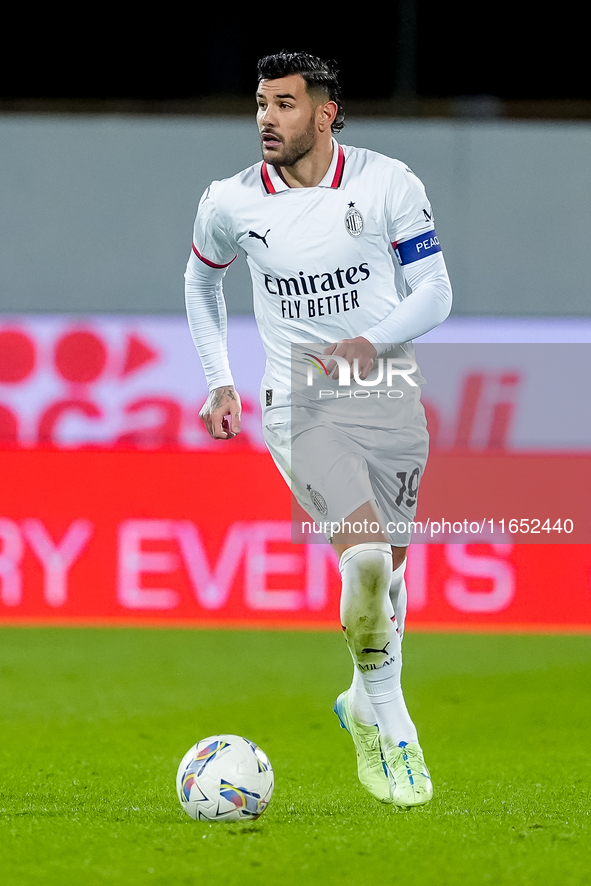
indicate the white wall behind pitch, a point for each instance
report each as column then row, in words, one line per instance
column 96, row 212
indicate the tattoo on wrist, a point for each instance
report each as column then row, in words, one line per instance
column 218, row 395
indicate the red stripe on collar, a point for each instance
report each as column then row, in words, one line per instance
column 338, row 173
column 336, row 181
column 267, row 183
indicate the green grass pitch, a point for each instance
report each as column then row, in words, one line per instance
column 95, row 721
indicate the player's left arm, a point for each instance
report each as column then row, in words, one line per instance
column 416, row 247
column 427, row 305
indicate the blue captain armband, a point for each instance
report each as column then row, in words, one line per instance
column 418, row 247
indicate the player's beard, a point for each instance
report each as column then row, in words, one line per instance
column 296, row 149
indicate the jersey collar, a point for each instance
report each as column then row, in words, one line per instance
column 273, row 181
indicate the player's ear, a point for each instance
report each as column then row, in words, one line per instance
column 327, row 114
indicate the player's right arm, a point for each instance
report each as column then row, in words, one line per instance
column 212, row 253
column 221, row 413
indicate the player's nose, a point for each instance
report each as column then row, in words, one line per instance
column 268, row 117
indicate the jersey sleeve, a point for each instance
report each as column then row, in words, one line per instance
column 212, row 242
column 213, row 251
column 425, row 307
column 206, row 313
column 411, row 225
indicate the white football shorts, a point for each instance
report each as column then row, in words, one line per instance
column 334, row 468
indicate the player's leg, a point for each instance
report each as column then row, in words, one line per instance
column 365, row 569
column 358, row 701
column 376, row 695
column 328, row 472
column 396, row 464
column 373, row 638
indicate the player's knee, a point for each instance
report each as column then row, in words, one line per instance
column 367, row 567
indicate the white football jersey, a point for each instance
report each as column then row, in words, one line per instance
column 326, row 262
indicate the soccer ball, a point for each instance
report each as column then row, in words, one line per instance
column 225, row 778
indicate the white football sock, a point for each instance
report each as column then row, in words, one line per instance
column 398, row 596
column 359, row 703
column 385, row 695
column 373, row 640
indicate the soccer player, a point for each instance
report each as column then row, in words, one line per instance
column 342, row 250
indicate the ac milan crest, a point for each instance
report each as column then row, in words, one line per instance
column 318, row 501
column 354, row 221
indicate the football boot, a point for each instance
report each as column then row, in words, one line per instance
column 410, row 782
column 371, row 766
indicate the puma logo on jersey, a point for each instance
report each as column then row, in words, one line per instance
column 258, row 236
column 384, row 650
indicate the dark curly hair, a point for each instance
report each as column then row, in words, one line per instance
column 318, row 75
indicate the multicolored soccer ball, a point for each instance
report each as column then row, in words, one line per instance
column 225, row 778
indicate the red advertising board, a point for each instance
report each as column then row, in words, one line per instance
column 172, row 537
column 117, row 507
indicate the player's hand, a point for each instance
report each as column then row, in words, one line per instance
column 352, row 349
column 221, row 413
